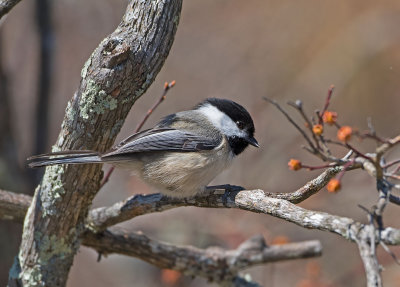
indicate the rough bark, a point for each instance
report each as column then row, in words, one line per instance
column 117, row 73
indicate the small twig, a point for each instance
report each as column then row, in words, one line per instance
column 335, row 142
column 387, row 145
column 391, row 253
column 393, row 163
column 325, row 146
column 292, row 122
column 394, row 199
column 309, row 167
column 99, row 256
column 107, row 176
column 371, row 126
column 346, row 166
column 364, row 208
column 366, row 134
column 167, row 87
column 327, row 102
column 348, row 155
column 359, row 153
column 371, row 133
column 298, row 105
column 337, row 125
column 384, row 195
column 396, row 170
column 391, row 175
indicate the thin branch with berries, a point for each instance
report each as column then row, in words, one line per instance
column 374, row 163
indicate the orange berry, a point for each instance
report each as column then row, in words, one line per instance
column 305, row 283
column 170, row 277
column 313, row 269
column 172, row 83
column 280, row 240
column 318, row 130
column 333, row 185
column 344, row 133
column 329, row 117
column 294, row 164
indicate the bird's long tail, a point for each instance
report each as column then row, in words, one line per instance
column 65, row 157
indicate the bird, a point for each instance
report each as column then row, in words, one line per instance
column 181, row 154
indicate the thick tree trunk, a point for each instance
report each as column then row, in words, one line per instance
column 117, row 73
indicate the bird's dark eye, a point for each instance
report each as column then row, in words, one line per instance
column 240, row 125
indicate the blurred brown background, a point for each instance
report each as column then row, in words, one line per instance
column 241, row 50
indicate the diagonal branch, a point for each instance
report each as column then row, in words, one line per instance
column 117, row 73
column 313, row 149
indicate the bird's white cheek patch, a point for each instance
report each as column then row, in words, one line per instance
column 221, row 121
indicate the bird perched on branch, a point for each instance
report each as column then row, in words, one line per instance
column 181, row 154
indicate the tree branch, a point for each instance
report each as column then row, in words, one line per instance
column 255, row 201
column 103, row 217
column 6, row 6
column 213, row 263
column 13, row 206
column 367, row 247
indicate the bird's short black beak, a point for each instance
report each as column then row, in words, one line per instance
column 252, row 141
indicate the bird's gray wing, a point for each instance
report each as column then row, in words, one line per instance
column 163, row 140
column 132, row 138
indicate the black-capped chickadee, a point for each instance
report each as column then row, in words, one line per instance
column 181, row 154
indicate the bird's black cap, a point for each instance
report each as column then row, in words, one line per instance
column 240, row 116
